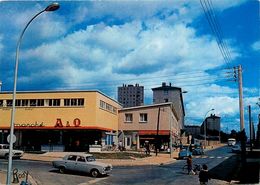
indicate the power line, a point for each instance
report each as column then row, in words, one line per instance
column 216, row 29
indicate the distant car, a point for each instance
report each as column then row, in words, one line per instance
column 231, row 142
column 4, row 152
column 82, row 163
column 236, row 149
column 184, row 153
column 198, row 151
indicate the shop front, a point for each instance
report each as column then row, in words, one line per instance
column 60, row 121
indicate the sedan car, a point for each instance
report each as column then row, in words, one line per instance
column 184, row 153
column 198, row 151
column 82, row 163
column 4, row 152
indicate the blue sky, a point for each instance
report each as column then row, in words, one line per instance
column 101, row 45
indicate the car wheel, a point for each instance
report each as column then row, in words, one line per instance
column 62, row 169
column 94, row 173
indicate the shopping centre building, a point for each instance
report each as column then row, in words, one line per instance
column 59, row 120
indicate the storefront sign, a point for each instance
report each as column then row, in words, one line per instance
column 76, row 123
column 36, row 124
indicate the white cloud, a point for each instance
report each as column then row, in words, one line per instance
column 256, row 46
column 141, row 41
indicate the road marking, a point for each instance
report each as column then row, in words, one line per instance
column 211, row 157
column 92, row 181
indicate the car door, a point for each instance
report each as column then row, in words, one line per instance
column 81, row 165
column 70, row 162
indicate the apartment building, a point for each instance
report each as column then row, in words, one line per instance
column 169, row 93
column 131, row 95
column 150, row 123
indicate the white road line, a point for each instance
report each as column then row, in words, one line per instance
column 219, row 157
column 211, row 157
column 92, row 181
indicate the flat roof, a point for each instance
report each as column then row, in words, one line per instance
column 146, row 106
column 58, row 91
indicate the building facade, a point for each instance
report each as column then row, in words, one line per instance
column 212, row 127
column 168, row 93
column 193, row 130
column 60, row 120
column 155, row 123
column 130, row 95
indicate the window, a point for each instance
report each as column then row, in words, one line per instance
column 81, row 159
column 9, row 103
column 33, row 102
column 114, row 110
column 54, row 102
column 128, row 117
column 102, row 104
column 25, row 103
column 73, row 102
column 50, row 102
column 80, row 102
column 90, row 159
column 40, row 102
column 165, row 92
column 66, row 102
column 166, row 100
column 72, row 158
column 1, row 103
column 143, row 117
column 18, row 103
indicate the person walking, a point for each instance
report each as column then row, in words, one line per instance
column 189, row 164
column 204, row 176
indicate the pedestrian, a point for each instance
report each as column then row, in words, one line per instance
column 147, row 148
column 204, row 176
column 189, row 164
column 120, row 145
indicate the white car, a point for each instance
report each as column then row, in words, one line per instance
column 82, row 163
column 4, row 152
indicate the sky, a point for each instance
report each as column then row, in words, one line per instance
column 101, row 45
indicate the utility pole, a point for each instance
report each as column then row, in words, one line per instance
column 157, row 134
column 241, row 107
column 250, row 126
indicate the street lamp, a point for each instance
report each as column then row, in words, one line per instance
column 51, row 7
column 205, row 130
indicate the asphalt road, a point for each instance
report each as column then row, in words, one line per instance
column 163, row 174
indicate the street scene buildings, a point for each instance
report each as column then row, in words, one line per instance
column 99, row 88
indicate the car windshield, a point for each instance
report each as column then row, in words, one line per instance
column 90, row 159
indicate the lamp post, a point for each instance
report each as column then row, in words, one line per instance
column 205, row 130
column 51, row 7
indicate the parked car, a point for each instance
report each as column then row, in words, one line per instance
column 236, row 149
column 82, row 163
column 198, row 151
column 184, row 153
column 4, row 152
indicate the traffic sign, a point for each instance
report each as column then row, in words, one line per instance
column 9, row 138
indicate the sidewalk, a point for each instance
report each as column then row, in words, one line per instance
column 3, row 175
column 152, row 160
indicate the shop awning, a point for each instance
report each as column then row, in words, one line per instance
column 153, row 132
